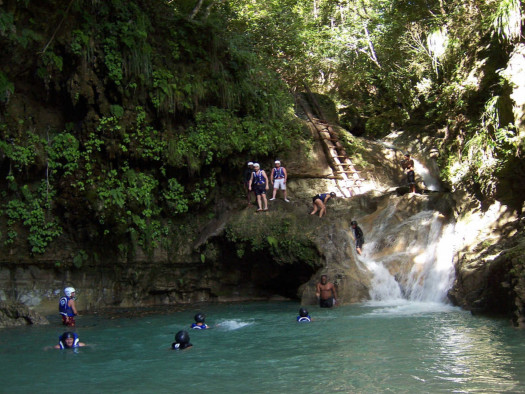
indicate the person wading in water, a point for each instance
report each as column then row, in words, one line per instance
column 326, row 293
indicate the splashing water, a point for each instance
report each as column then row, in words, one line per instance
column 231, row 325
column 431, row 183
column 411, row 259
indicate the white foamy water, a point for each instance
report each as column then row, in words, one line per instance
column 231, row 325
column 420, row 266
column 431, row 182
column 406, row 308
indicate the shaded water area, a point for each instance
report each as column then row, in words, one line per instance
column 403, row 346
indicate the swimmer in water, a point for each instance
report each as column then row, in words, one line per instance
column 69, row 340
column 199, row 322
column 303, row 316
column 182, row 341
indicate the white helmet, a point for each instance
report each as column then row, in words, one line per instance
column 68, row 291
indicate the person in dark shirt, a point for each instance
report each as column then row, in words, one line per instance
column 408, row 166
column 358, row 236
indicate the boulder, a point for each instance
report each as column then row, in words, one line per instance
column 16, row 314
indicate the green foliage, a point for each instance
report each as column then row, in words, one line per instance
column 7, row 88
column 32, row 210
column 63, row 154
column 21, row 148
column 174, row 197
column 113, row 60
column 281, row 238
column 80, row 258
column 507, row 20
column 79, row 42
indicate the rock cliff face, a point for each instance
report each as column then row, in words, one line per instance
column 242, row 255
column 14, row 314
column 238, row 255
column 490, row 264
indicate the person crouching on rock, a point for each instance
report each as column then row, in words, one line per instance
column 319, row 201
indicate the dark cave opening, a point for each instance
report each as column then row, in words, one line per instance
column 259, row 273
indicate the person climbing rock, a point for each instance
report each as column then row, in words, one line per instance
column 408, row 167
column 259, row 182
column 67, row 307
column 319, row 201
column 358, row 236
column 278, row 179
column 326, row 293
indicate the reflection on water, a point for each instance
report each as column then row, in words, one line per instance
column 374, row 347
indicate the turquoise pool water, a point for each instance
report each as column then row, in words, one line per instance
column 403, row 347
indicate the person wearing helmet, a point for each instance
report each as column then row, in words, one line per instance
column 69, row 340
column 326, row 293
column 246, row 180
column 319, row 201
column 303, row 316
column 199, row 322
column 278, row 180
column 358, row 236
column 67, row 307
column 259, row 183
column 182, row 341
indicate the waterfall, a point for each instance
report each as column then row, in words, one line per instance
column 431, row 182
column 410, row 259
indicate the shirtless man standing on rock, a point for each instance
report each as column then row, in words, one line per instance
column 326, row 293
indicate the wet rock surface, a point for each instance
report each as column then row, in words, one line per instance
column 17, row 314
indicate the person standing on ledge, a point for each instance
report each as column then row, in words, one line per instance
column 246, row 180
column 67, row 307
column 278, row 179
column 326, row 293
column 319, row 201
column 408, row 166
column 259, row 183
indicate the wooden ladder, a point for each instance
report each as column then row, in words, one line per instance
column 344, row 173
